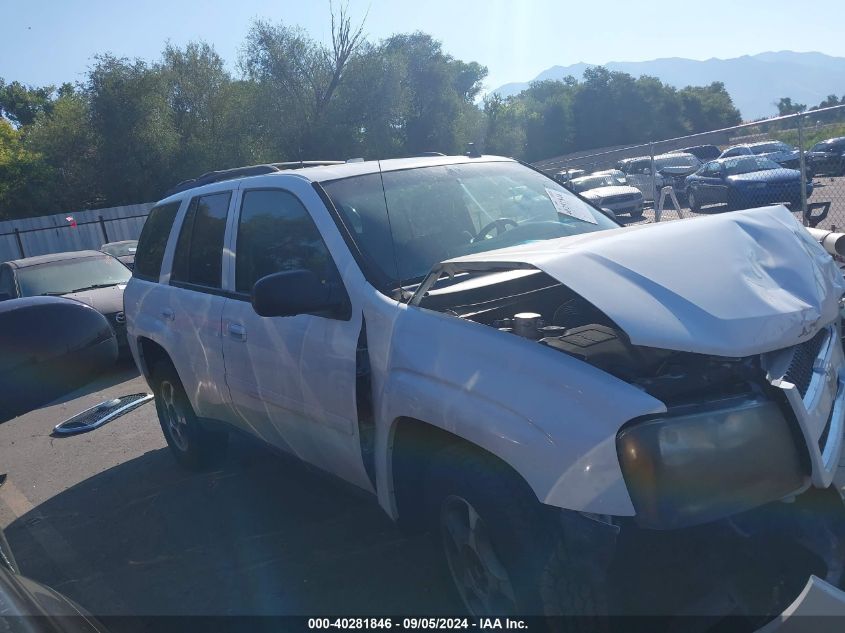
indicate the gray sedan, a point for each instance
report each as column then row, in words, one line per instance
column 90, row 277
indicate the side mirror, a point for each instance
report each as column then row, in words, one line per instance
column 608, row 212
column 646, row 172
column 298, row 292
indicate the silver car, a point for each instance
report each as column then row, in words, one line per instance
column 607, row 192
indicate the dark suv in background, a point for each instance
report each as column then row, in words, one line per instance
column 827, row 157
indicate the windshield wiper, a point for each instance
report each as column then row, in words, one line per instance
column 93, row 287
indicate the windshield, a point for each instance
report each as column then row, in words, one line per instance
column 592, row 182
column 69, row 275
column 769, row 148
column 120, row 249
column 436, row 213
column 676, row 160
column 748, row 164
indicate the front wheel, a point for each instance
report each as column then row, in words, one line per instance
column 507, row 553
column 192, row 445
column 692, row 199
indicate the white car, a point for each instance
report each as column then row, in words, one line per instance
column 607, row 192
column 562, row 400
column 638, row 174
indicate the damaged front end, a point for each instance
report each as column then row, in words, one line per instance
column 732, row 483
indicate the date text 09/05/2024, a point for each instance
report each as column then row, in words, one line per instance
column 416, row 623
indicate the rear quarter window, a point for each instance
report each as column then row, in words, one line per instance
column 199, row 251
column 153, row 240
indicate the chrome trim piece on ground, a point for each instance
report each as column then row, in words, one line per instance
column 71, row 426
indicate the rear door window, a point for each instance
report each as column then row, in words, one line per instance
column 153, row 240
column 198, row 260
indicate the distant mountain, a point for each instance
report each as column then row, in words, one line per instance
column 755, row 82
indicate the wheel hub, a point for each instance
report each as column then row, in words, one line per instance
column 480, row 577
column 174, row 416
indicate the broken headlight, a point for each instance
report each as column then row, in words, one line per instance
column 699, row 464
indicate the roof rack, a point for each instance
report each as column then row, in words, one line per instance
column 241, row 172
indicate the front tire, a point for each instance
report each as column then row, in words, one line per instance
column 193, row 446
column 692, row 199
column 505, row 551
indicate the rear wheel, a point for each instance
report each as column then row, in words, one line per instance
column 506, row 553
column 194, row 446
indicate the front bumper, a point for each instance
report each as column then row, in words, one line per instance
column 634, row 206
column 741, row 571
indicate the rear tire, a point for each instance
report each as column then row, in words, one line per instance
column 193, row 446
column 507, row 553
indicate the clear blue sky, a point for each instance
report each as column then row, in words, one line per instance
column 54, row 41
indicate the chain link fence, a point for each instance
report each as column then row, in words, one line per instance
column 797, row 160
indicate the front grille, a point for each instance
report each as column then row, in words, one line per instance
column 826, row 431
column 625, row 197
column 99, row 415
column 800, row 371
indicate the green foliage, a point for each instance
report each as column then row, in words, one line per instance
column 23, row 175
column 20, row 104
column 133, row 128
column 606, row 109
column 812, row 134
column 786, row 106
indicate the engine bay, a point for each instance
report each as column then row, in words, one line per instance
column 533, row 305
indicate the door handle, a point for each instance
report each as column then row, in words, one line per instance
column 168, row 314
column 237, row 331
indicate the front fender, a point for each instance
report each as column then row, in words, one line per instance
column 551, row 417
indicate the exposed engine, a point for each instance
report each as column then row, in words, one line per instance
column 543, row 310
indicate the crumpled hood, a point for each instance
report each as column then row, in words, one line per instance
column 103, row 300
column 735, row 284
column 611, row 190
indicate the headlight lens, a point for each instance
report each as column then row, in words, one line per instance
column 704, row 464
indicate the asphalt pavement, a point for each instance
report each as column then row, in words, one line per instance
column 108, row 519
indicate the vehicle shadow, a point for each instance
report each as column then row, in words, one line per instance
column 262, row 535
column 124, row 369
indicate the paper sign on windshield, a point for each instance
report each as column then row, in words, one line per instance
column 569, row 206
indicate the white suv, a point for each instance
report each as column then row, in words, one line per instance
column 564, row 401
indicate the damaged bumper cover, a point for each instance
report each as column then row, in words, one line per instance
column 750, row 569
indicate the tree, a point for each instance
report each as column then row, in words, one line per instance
column 708, row 108
column 65, row 141
column 20, row 104
column 297, row 79
column 785, row 106
column 436, row 93
column 22, row 176
column 135, row 135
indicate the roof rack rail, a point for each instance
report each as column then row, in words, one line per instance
column 241, row 172
column 299, row 164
